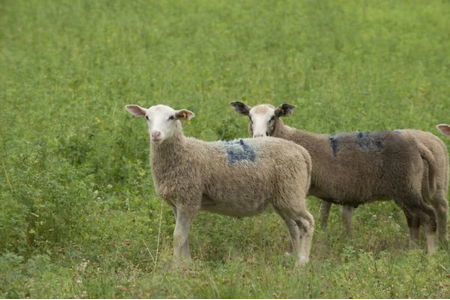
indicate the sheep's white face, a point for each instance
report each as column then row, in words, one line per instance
column 262, row 117
column 161, row 120
column 262, row 120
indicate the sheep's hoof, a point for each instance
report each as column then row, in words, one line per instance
column 302, row 261
column 182, row 264
column 431, row 249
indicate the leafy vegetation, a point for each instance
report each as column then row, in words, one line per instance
column 78, row 213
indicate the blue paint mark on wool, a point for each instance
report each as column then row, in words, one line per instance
column 334, row 144
column 366, row 140
column 239, row 151
column 363, row 140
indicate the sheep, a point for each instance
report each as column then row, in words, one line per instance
column 440, row 155
column 354, row 168
column 237, row 178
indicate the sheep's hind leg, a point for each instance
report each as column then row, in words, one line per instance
column 427, row 217
column 428, row 220
column 414, row 229
column 305, row 222
column 293, row 231
column 306, row 226
column 440, row 205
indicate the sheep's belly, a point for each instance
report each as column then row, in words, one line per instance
column 238, row 209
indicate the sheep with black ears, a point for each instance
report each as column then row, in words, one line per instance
column 238, row 178
column 358, row 167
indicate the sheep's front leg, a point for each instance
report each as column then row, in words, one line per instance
column 184, row 218
column 324, row 213
column 186, row 247
column 346, row 214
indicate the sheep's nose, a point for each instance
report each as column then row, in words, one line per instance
column 155, row 134
column 258, row 135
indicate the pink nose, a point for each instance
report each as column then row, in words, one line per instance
column 155, row 134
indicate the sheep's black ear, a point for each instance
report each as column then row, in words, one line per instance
column 241, row 107
column 444, row 129
column 136, row 110
column 284, row 110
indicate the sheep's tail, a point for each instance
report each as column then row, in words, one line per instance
column 428, row 156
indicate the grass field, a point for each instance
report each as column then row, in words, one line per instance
column 78, row 213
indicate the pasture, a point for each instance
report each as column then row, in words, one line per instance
column 79, row 217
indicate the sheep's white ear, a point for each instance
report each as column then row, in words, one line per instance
column 284, row 110
column 241, row 107
column 184, row 114
column 444, row 129
column 136, row 110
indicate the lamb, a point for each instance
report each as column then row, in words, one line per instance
column 236, row 178
column 358, row 167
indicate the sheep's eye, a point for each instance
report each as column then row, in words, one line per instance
column 172, row 118
column 147, row 118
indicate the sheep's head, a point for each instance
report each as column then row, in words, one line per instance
column 161, row 120
column 262, row 118
column 444, row 129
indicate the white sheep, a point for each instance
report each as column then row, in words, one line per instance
column 358, row 167
column 238, row 178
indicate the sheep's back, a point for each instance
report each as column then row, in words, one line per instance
column 254, row 171
column 364, row 166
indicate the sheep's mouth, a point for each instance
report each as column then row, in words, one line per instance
column 157, row 141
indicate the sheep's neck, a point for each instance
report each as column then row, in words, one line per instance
column 282, row 131
column 169, row 153
column 309, row 140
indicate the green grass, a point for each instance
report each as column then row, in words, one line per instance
column 78, row 213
